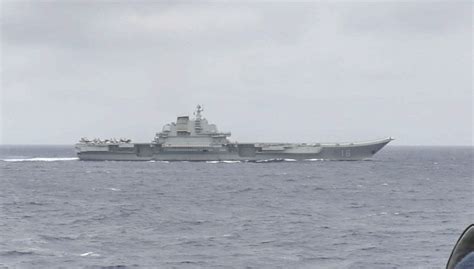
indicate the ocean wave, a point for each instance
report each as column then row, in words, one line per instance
column 40, row 159
column 16, row 253
column 242, row 190
column 120, row 266
column 58, row 238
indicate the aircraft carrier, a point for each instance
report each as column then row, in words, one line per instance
column 197, row 140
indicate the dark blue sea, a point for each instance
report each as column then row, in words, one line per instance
column 403, row 209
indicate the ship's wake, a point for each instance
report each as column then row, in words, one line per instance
column 40, row 159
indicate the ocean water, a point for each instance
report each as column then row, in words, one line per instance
column 403, row 209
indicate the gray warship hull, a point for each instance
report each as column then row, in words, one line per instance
column 234, row 152
column 198, row 140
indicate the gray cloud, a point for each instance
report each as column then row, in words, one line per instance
column 266, row 71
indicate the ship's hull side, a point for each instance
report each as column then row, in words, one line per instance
column 240, row 152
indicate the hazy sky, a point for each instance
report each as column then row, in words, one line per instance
column 268, row 71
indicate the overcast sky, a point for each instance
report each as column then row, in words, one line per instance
column 268, row 71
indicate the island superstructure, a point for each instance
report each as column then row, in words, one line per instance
column 197, row 140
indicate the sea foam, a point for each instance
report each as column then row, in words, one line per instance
column 40, row 159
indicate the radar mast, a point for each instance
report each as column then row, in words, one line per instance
column 198, row 111
column 197, row 123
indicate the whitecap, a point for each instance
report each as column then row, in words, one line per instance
column 114, row 189
column 289, row 160
column 91, row 254
column 40, row 160
column 231, row 235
